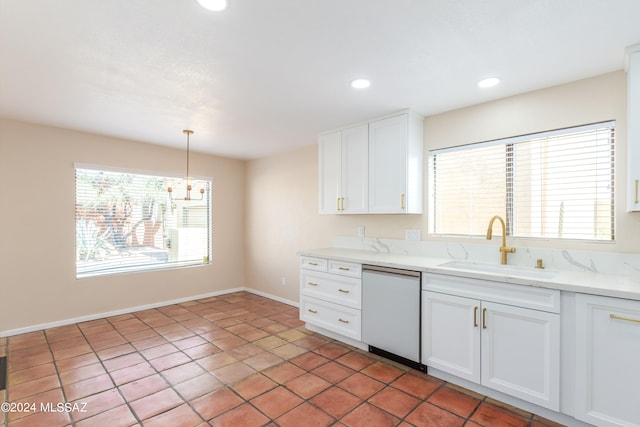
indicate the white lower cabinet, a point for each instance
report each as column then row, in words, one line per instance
column 520, row 353
column 607, row 375
column 335, row 288
column 331, row 295
column 450, row 336
column 334, row 317
column 512, row 349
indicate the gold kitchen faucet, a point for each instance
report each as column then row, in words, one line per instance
column 504, row 249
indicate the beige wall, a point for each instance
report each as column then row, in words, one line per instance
column 282, row 191
column 37, row 258
column 282, row 218
column 586, row 101
column 264, row 210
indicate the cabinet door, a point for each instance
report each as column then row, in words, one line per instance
column 607, row 361
column 521, row 353
column 633, row 138
column 329, row 164
column 451, row 334
column 388, row 165
column 355, row 170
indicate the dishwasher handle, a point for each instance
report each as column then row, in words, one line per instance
column 389, row 270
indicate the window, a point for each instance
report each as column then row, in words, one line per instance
column 557, row 184
column 128, row 222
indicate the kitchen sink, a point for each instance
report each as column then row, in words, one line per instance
column 500, row 270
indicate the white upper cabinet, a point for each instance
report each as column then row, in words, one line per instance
column 372, row 168
column 633, row 136
column 329, row 167
column 395, row 164
column 343, row 167
column 355, row 170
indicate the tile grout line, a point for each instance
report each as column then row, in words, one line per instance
column 172, row 386
column 192, row 317
column 147, row 360
column 94, row 351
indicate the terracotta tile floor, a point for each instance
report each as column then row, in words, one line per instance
column 232, row 360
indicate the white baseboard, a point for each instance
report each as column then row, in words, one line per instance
column 127, row 310
column 273, row 297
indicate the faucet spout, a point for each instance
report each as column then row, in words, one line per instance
column 504, row 249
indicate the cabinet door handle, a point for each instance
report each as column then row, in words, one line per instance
column 312, row 311
column 626, row 319
column 344, row 291
column 637, row 191
column 484, row 318
column 475, row 317
column 343, row 321
column 312, row 284
column 402, row 198
column 341, row 203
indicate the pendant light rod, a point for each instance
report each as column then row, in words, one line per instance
column 188, row 133
column 188, row 177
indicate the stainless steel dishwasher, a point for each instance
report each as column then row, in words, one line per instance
column 391, row 313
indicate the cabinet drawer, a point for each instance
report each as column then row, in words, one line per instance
column 310, row 263
column 337, row 318
column 345, row 268
column 505, row 293
column 331, row 287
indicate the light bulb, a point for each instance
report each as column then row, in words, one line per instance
column 214, row 5
column 490, row 82
column 360, row 83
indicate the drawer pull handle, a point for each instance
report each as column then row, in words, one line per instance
column 312, row 284
column 475, row 317
column 313, row 263
column 627, row 319
column 343, row 321
column 344, row 268
column 484, row 318
column 312, row 311
column 344, row 291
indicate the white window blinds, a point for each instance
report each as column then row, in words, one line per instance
column 129, row 222
column 557, row 184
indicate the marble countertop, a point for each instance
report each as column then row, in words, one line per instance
column 572, row 281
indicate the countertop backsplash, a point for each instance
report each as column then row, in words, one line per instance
column 609, row 263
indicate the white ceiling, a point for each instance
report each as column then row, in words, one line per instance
column 266, row 76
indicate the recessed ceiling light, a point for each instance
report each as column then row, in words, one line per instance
column 215, row 5
column 360, row 83
column 490, row 82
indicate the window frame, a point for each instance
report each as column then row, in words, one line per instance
column 152, row 267
column 510, row 206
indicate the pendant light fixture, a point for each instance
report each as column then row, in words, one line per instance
column 188, row 177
